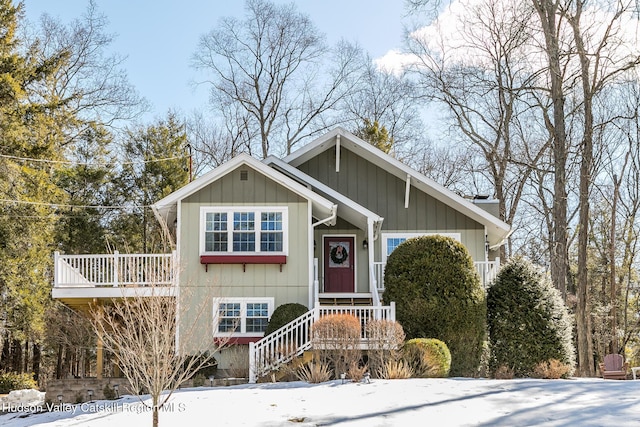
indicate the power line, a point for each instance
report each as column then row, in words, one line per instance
column 67, row 162
column 62, row 205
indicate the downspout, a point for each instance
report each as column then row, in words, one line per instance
column 373, row 283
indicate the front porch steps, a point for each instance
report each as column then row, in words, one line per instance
column 346, row 299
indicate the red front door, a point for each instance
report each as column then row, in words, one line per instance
column 339, row 257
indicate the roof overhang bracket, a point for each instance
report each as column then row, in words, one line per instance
column 337, row 153
column 407, row 191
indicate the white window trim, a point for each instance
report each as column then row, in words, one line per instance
column 387, row 236
column 229, row 210
column 240, row 332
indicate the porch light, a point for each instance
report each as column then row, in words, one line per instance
column 60, row 398
column 211, row 378
column 365, row 244
column 90, row 393
column 115, row 389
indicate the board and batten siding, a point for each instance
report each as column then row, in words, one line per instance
column 384, row 193
column 229, row 280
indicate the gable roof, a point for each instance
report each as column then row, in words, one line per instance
column 166, row 208
column 348, row 209
column 497, row 230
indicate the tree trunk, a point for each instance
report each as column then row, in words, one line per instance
column 35, row 362
column 583, row 312
column 547, row 10
column 16, row 356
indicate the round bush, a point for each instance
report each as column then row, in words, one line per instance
column 427, row 357
column 528, row 322
column 284, row 314
column 438, row 294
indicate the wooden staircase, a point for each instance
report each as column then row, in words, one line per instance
column 292, row 341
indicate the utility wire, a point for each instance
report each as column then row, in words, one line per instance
column 67, row 162
column 62, row 205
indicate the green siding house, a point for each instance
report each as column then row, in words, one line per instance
column 314, row 228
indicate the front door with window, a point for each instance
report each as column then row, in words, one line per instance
column 339, row 264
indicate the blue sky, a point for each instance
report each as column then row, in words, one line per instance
column 158, row 37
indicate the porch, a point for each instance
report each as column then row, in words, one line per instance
column 79, row 279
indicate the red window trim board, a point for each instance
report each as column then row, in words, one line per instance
column 243, row 259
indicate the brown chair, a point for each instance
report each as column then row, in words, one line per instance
column 614, row 367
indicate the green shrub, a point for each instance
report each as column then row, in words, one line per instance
column 13, row 381
column 427, row 357
column 438, row 294
column 284, row 314
column 528, row 322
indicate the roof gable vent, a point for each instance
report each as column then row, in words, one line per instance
column 244, row 175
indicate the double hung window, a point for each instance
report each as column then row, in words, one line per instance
column 240, row 230
column 242, row 316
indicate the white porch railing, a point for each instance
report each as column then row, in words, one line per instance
column 293, row 339
column 487, row 270
column 114, row 270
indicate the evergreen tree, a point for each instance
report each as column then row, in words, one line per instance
column 155, row 166
column 376, row 135
column 27, row 191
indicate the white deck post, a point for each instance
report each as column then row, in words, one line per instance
column 115, row 269
column 56, row 278
column 252, row 363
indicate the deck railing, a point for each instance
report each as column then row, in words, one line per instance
column 293, row 339
column 487, row 270
column 114, row 270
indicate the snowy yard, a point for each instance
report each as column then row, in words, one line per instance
column 442, row 402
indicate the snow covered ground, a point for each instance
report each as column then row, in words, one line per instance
column 441, row 402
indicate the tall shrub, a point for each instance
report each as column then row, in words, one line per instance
column 528, row 322
column 438, row 294
column 336, row 338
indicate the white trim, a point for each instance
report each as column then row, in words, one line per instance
column 165, row 208
column 243, row 314
column 353, row 258
column 230, row 210
column 409, row 235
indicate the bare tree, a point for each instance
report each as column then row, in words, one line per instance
column 141, row 331
column 483, row 79
column 273, row 74
column 92, row 84
column 388, row 98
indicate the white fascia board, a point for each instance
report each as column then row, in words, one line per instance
column 164, row 206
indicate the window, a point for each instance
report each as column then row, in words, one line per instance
column 242, row 316
column 244, row 230
column 229, row 319
column 391, row 241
